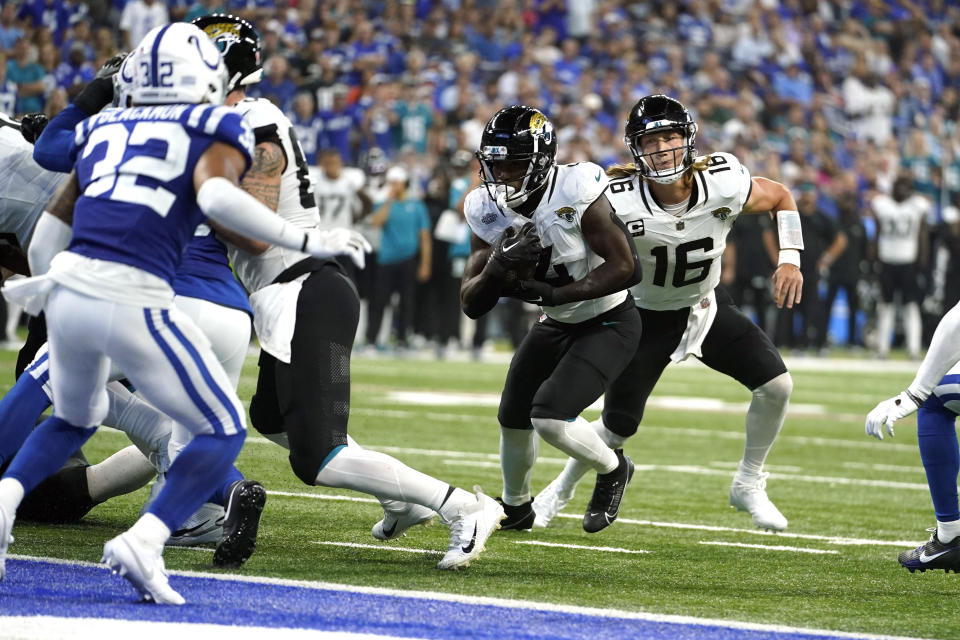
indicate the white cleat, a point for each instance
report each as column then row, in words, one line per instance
column 6, row 539
column 469, row 531
column 549, row 503
column 143, row 567
column 396, row 523
column 748, row 493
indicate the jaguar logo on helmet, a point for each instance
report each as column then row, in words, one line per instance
column 239, row 44
column 540, row 126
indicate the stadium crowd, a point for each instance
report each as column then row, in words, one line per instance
column 834, row 99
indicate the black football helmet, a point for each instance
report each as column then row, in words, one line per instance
column 239, row 44
column 659, row 113
column 518, row 145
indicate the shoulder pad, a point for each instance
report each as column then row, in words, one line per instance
column 726, row 175
column 579, row 184
column 261, row 112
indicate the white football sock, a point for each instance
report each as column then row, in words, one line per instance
column 913, row 328
column 765, row 417
column 947, row 531
column 518, row 452
column 574, row 470
column 125, row 471
column 383, row 476
column 11, row 495
column 143, row 423
column 577, row 439
column 151, row 530
column 884, row 328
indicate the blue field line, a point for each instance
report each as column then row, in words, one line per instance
column 35, row 587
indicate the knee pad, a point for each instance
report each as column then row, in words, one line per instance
column 777, row 389
column 264, row 417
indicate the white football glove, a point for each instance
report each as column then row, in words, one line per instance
column 889, row 411
column 332, row 242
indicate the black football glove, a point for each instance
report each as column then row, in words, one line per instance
column 538, row 293
column 99, row 93
column 514, row 250
column 32, row 125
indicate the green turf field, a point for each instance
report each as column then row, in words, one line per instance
column 856, row 501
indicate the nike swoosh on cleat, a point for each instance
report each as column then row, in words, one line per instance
column 389, row 532
column 925, row 558
column 473, row 541
column 186, row 532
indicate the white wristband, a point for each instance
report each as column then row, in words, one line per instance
column 788, row 229
column 789, row 256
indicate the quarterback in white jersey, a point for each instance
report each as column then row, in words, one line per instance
column 902, row 253
column 547, row 233
column 679, row 209
column 305, row 314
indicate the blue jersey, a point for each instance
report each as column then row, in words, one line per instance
column 205, row 273
column 135, row 169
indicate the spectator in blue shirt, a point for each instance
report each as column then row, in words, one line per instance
column 307, row 125
column 405, row 254
column 9, row 31
column 415, row 117
column 336, row 124
column 276, row 86
column 28, row 76
column 8, row 90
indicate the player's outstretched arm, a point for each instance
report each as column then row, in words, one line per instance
column 769, row 195
column 53, row 230
column 606, row 236
column 215, row 179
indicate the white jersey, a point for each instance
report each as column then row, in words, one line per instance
column 337, row 198
column 680, row 254
column 898, row 237
column 297, row 204
column 25, row 186
column 570, row 190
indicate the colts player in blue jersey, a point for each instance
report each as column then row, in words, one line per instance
column 211, row 296
column 147, row 177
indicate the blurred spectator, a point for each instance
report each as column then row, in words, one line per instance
column 404, row 257
column 139, row 17
column 276, row 86
column 336, row 124
column 29, row 78
column 850, row 267
column 307, row 125
column 10, row 32
column 748, row 264
column 340, row 196
column 8, row 90
column 805, row 326
column 902, row 253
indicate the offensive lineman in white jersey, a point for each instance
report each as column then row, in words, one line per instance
column 679, row 209
column 901, row 251
column 552, row 228
column 305, row 314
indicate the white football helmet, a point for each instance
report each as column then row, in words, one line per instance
column 123, row 82
column 177, row 63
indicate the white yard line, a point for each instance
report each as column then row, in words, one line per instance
column 840, row 540
column 379, row 547
column 585, row 547
column 57, row 628
column 769, row 547
column 525, row 605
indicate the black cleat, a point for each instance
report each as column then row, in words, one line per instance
column 933, row 555
column 605, row 502
column 240, row 522
column 519, row 517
